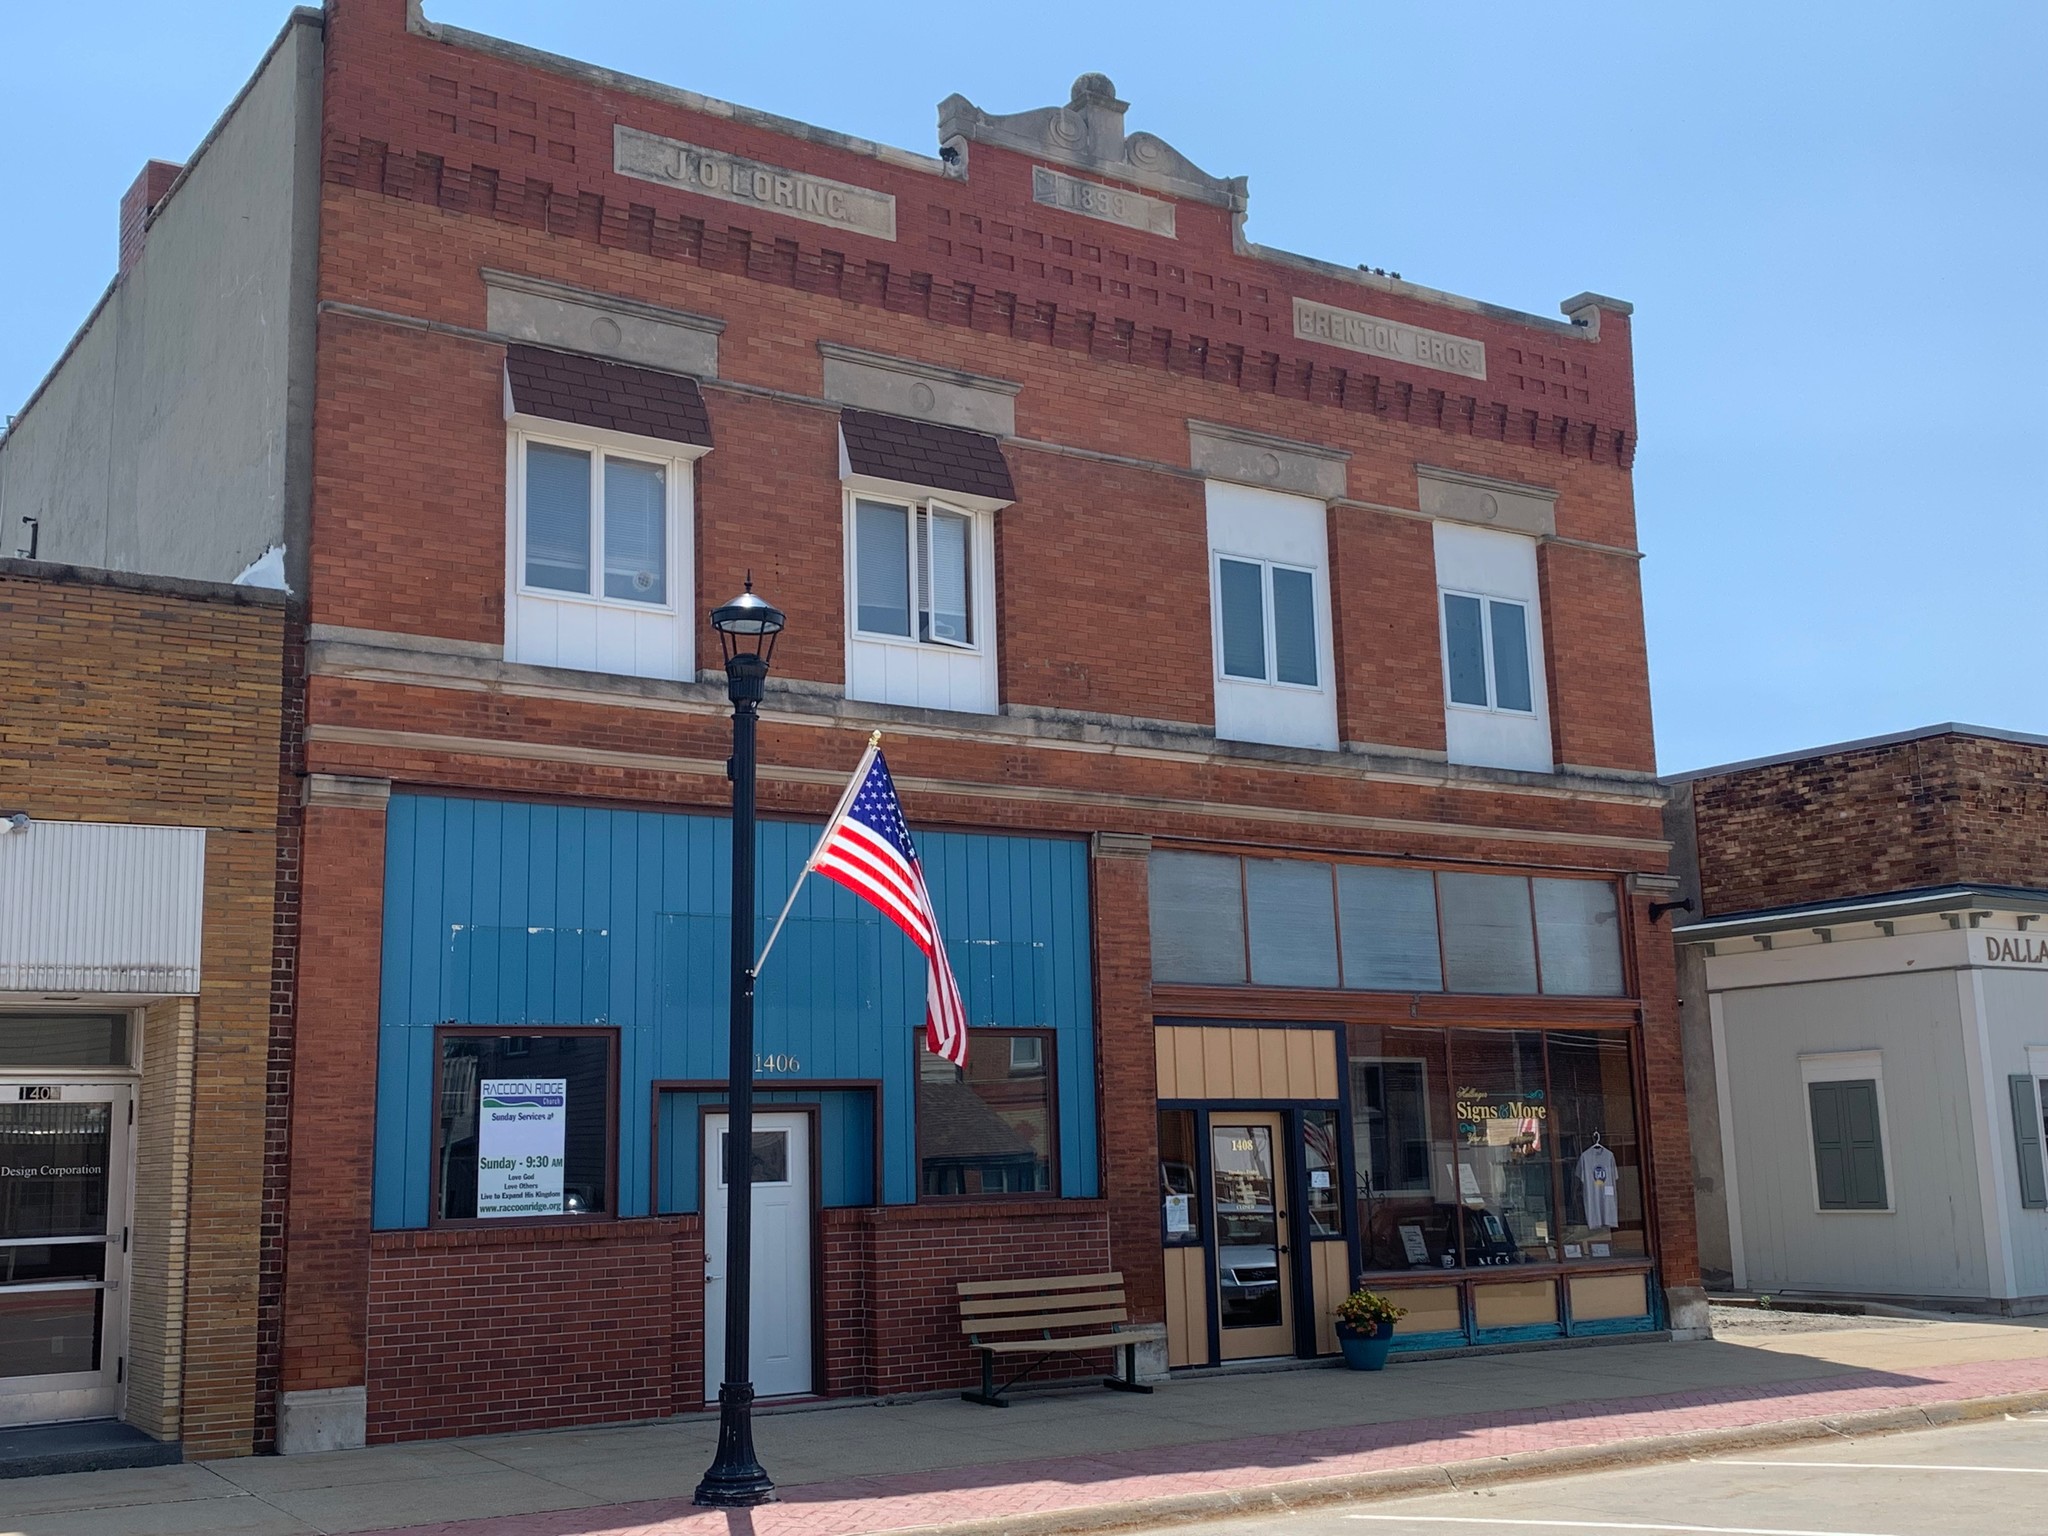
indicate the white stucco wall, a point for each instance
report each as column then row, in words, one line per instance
column 1932, row 1241
column 174, row 439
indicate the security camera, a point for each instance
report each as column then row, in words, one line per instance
column 16, row 821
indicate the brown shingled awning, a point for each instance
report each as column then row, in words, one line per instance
column 565, row 386
column 922, row 453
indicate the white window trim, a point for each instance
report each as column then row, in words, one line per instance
column 676, row 459
column 1848, row 1067
column 1272, row 657
column 1486, row 601
column 981, row 579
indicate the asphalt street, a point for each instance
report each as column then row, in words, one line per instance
column 1988, row 1479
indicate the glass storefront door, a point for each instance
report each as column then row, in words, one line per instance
column 1254, row 1253
column 63, row 1247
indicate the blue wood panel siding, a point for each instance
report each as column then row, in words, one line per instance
column 499, row 912
column 846, row 1143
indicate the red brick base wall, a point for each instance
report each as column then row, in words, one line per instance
column 478, row 1331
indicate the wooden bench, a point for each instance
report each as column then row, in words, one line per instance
column 1048, row 1315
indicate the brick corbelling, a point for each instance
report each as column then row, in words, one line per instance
column 1098, row 335
column 1941, row 810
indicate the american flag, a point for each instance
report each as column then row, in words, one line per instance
column 867, row 849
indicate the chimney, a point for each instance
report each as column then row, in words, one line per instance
column 138, row 203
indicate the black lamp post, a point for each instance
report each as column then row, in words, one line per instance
column 747, row 627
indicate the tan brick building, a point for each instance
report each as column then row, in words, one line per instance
column 139, row 750
column 1258, row 645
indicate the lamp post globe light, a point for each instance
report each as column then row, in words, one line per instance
column 747, row 627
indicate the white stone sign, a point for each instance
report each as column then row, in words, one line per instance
column 734, row 179
column 522, row 1126
column 1093, row 200
column 1388, row 338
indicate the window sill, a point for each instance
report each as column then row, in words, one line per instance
column 585, row 600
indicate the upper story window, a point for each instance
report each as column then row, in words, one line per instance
column 1266, row 622
column 921, row 505
column 914, row 571
column 600, row 513
column 1486, row 652
column 1269, row 597
column 597, row 524
column 1495, row 711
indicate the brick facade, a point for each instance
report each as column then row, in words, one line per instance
column 139, row 700
column 1951, row 807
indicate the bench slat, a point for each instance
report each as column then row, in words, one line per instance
column 1040, row 1283
column 1093, row 1341
column 998, row 1306
column 1042, row 1320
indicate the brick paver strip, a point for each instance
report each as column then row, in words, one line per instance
column 898, row 1501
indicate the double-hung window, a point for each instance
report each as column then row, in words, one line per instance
column 1266, row 622
column 1486, row 653
column 914, row 572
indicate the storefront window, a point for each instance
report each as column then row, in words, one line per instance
column 1321, row 1162
column 523, row 1125
column 1504, row 1152
column 1406, row 1183
column 987, row 1129
column 1180, row 1220
column 1594, row 1113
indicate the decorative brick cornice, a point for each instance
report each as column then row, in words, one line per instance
column 1250, row 366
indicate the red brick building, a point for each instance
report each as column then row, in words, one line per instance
column 1258, row 646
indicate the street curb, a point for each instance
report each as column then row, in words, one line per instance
column 1449, row 1477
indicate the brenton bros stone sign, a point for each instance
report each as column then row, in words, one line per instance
column 1388, row 338
column 735, row 179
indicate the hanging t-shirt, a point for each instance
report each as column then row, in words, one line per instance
column 1597, row 1181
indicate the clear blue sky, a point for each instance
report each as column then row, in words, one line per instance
column 1831, row 218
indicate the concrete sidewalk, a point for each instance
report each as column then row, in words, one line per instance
column 1081, row 1460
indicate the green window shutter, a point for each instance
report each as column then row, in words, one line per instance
column 2026, row 1135
column 1848, row 1148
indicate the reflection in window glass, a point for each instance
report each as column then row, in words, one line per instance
column 1489, row 940
column 1504, row 1146
column 1579, row 930
column 1510, row 655
column 1294, row 626
column 771, row 1157
column 1247, row 1225
column 1465, row 649
column 557, row 518
column 1387, row 918
column 1322, row 1163
column 53, row 1171
column 1594, row 1115
column 1240, row 593
column 1406, row 1187
column 987, row 1129
column 945, row 544
column 881, row 544
column 1197, row 903
column 1289, row 905
column 1179, row 1181
column 635, row 531
column 523, row 1126
column 64, row 1039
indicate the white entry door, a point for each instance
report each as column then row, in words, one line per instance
column 781, row 1352
column 63, row 1248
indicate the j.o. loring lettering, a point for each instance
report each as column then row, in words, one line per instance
column 735, row 179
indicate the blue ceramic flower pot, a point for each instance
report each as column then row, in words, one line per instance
column 1366, row 1351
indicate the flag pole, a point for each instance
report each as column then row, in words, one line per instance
column 860, row 773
